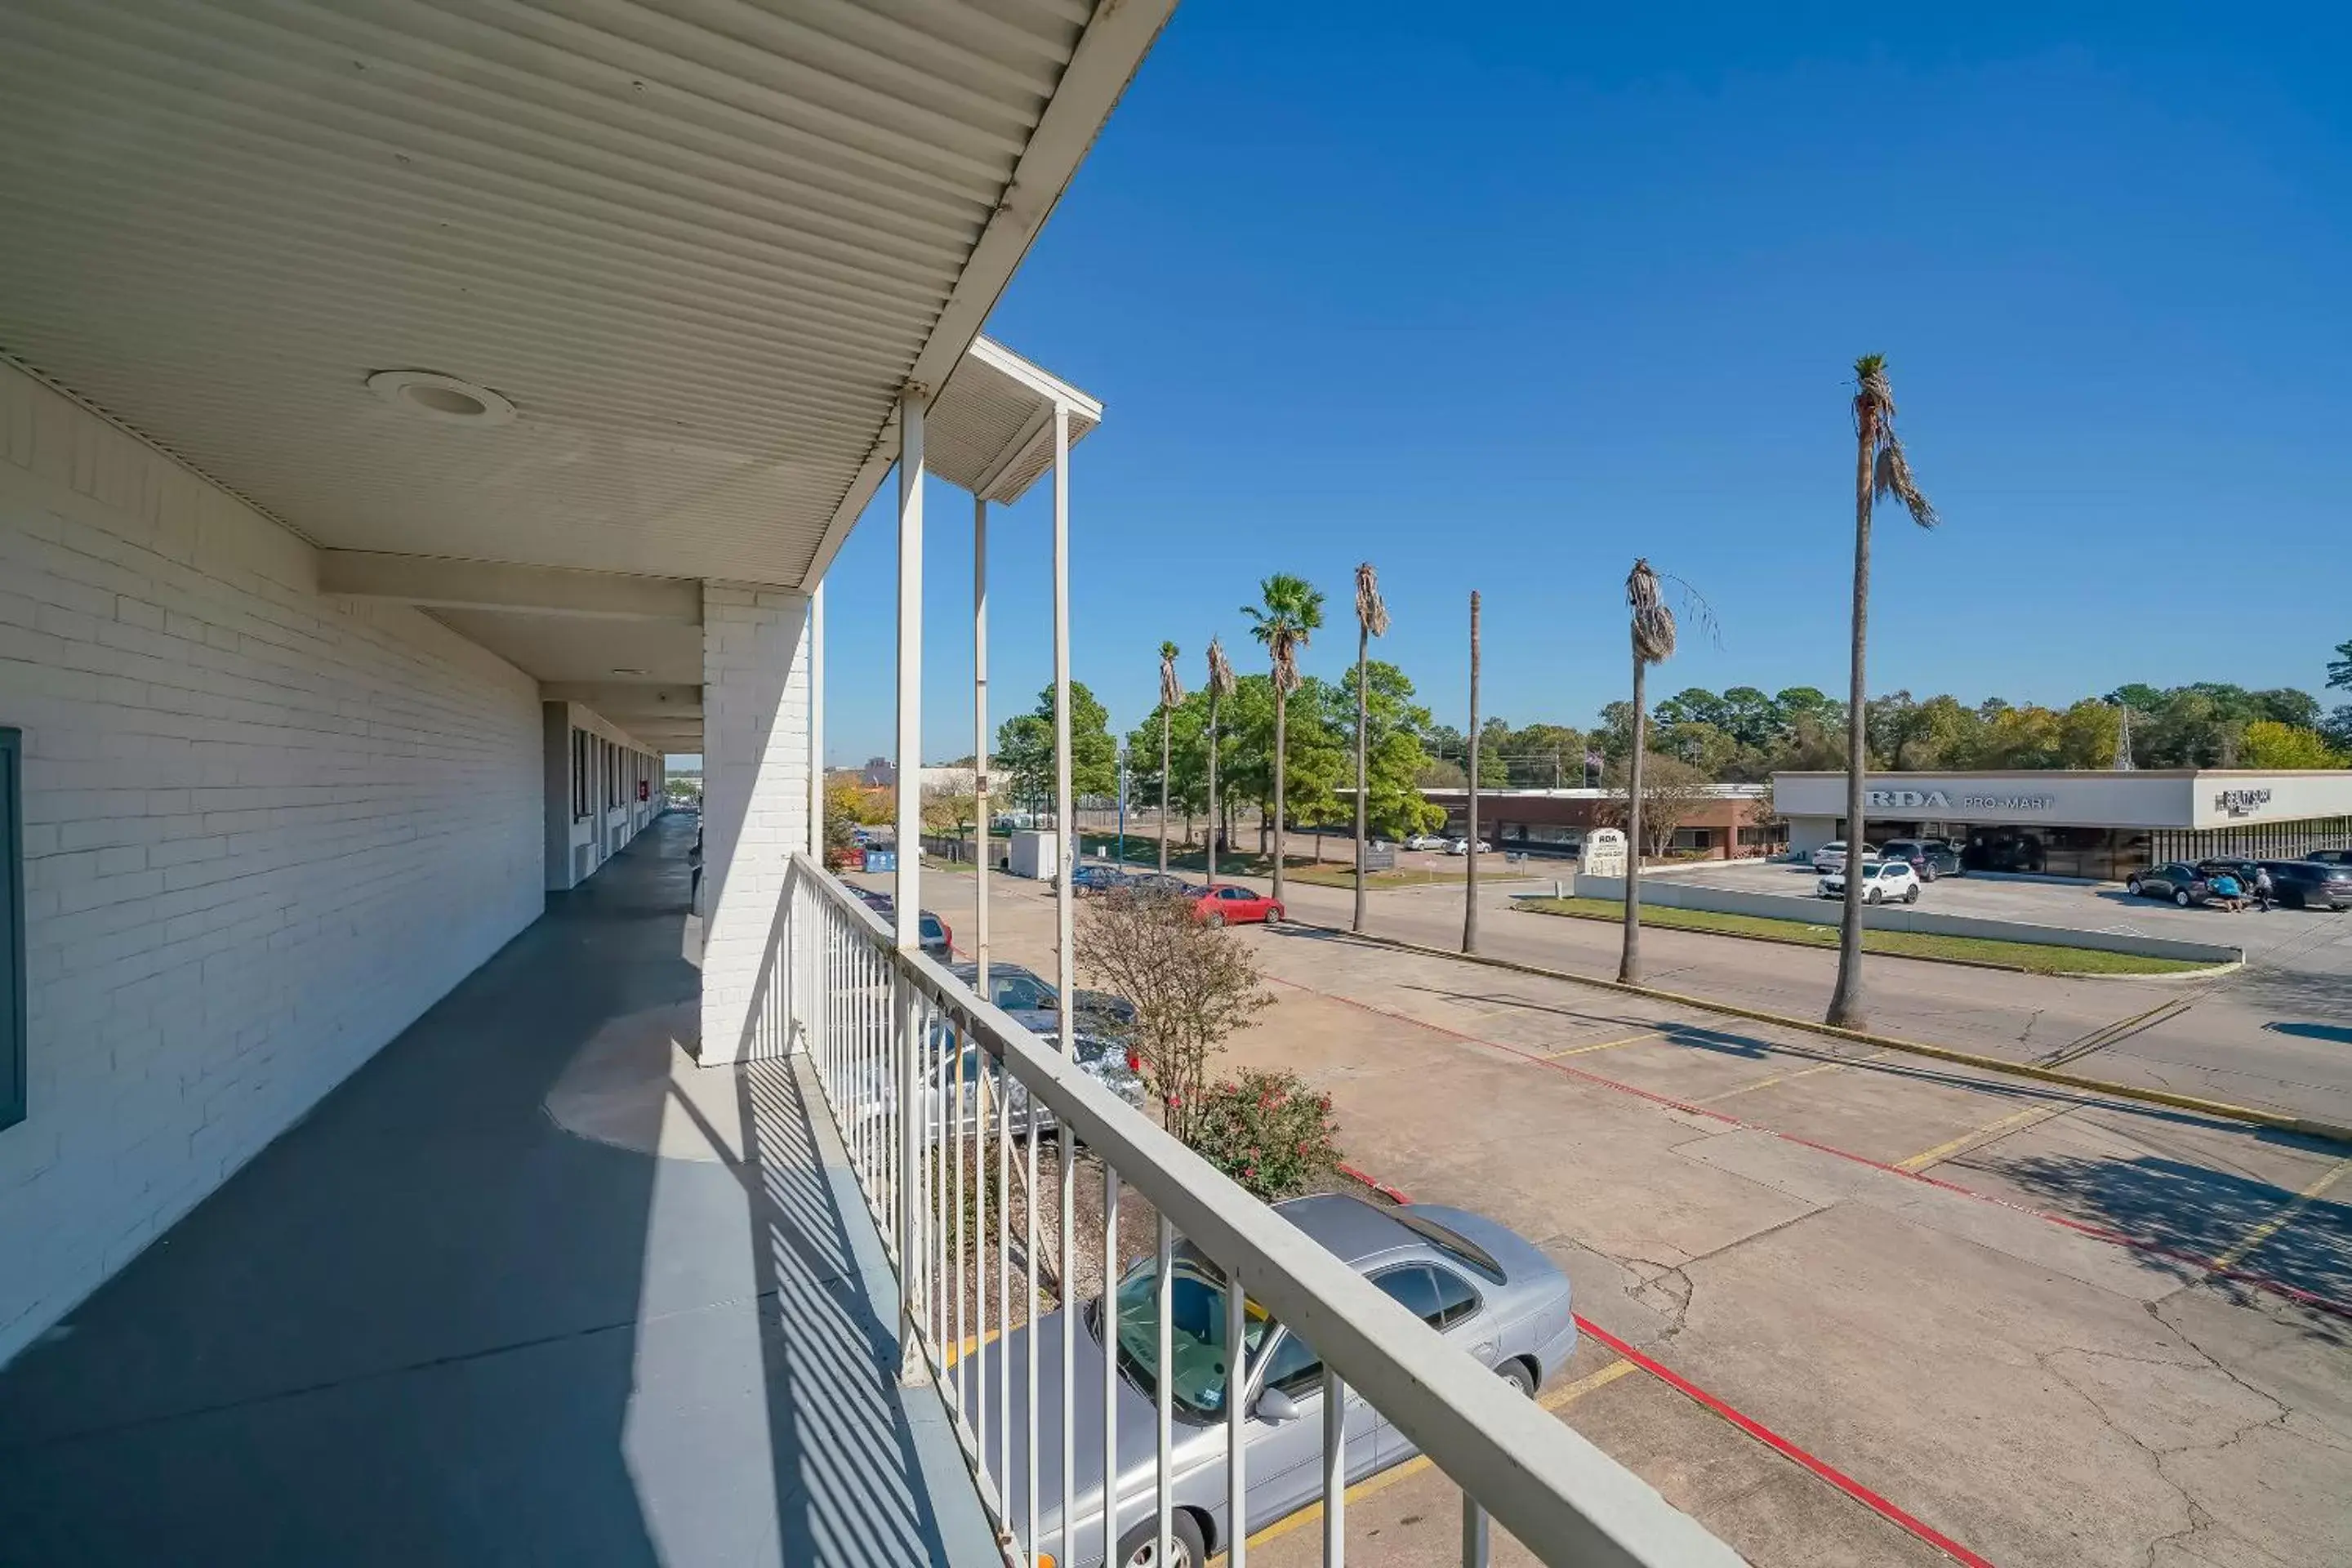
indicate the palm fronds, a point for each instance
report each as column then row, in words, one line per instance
column 1874, row 417
column 1371, row 612
column 1654, row 622
column 1221, row 672
column 1171, row 689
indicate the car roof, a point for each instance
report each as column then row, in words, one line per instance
column 997, row 970
column 1349, row 1228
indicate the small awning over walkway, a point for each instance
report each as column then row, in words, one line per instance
column 528, row 1287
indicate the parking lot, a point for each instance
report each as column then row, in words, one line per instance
column 1864, row 1309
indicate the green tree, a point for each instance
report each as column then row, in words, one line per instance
column 2270, row 744
column 2339, row 669
column 1396, row 763
column 1025, row 748
column 1288, row 612
column 2089, row 733
column 1881, row 470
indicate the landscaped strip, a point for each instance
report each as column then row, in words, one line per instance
column 2028, row 957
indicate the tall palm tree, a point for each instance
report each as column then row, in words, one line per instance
column 1470, row 862
column 1172, row 692
column 1221, row 685
column 1879, row 468
column 1654, row 643
column 1372, row 621
column 1289, row 610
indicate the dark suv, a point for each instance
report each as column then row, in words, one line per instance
column 1930, row 858
column 2310, row 884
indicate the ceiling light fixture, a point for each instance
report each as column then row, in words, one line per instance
column 627, row 670
column 443, row 397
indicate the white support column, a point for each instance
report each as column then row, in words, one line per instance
column 1064, row 919
column 980, row 740
column 755, row 796
column 816, row 724
column 908, row 890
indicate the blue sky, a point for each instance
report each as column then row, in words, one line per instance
column 1500, row 307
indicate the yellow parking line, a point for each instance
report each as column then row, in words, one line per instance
column 1985, row 1134
column 1414, row 1467
column 1784, row 1077
column 1604, row 1046
column 2285, row 1216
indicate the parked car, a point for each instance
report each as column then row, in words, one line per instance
column 1033, row 1003
column 1164, row 882
column 1485, row 1288
column 1425, row 841
column 1930, row 858
column 2310, row 884
column 2175, row 879
column 1831, row 856
column 1462, row 847
column 1231, row 905
column 967, row 1086
column 2331, row 857
column 1089, row 879
column 1879, row 882
column 939, row 938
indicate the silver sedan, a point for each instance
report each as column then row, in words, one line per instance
column 1476, row 1281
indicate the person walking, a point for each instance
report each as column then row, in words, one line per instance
column 2263, row 892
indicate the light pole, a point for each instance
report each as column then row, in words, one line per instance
column 1122, row 802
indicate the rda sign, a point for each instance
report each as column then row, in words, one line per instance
column 1945, row 800
column 1604, row 853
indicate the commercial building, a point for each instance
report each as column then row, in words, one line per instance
column 1725, row 825
column 2101, row 826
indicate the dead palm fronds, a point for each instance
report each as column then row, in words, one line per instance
column 1372, row 621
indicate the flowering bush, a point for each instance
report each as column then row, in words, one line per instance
column 1268, row 1132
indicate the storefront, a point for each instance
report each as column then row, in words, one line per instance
column 2098, row 825
column 1726, row 821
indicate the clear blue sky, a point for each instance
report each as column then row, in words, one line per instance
column 1500, row 306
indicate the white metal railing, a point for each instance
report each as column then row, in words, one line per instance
column 944, row 1105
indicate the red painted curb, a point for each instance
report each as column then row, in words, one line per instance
column 1764, row 1434
column 1753, row 1428
column 2097, row 1232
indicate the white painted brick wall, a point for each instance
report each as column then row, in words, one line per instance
column 755, row 713
column 264, row 831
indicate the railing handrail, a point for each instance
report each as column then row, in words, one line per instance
column 1562, row 1496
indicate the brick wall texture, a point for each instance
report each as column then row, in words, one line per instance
column 264, row 831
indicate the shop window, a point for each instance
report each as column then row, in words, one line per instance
column 579, row 774
column 12, row 928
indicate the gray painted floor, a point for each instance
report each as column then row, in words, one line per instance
column 527, row 1288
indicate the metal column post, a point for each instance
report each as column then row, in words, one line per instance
column 816, row 724
column 979, row 748
column 1065, row 956
column 907, row 889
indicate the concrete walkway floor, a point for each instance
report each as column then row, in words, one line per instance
column 528, row 1288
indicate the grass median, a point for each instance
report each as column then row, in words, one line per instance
column 2030, row 957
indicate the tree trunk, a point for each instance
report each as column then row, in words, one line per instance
column 1215, row 826
column 1163, row 791
column 1364, row 708
column 1281, row 712
column 1470, row 874
column 1629, row 964
column 1846, row 1008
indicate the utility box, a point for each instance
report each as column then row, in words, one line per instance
column 1035, row 855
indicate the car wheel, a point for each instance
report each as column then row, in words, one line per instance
column 1928, row 873
column 1911, row 895
column 1873, row 897
column 1140, row 1547
column 2131, row 886
column 1216, row 917
column 2180, row 896
column 1274, row 916
column 1516, row 1374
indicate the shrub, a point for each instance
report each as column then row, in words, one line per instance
column 1268, row 1132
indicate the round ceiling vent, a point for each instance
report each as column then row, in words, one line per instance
column 443, row 397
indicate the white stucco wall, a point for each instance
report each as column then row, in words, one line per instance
column 264, row 831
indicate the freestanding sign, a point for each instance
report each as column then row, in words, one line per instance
column 1604, row 853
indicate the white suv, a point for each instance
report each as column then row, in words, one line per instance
column 1831, row 856
column 1883, row 882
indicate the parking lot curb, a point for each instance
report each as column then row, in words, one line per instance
column 2253, row 1116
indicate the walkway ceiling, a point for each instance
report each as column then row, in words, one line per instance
column 697, row 247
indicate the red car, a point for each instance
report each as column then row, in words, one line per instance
column 1237, row 906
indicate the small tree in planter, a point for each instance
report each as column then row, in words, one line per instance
column 1268, row 1132
column 1192, row 984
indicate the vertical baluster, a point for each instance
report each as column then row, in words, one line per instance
column 1165, row 1399
column 1029, row 1309
column 982, row 1105
column 1070, row 1327
column 1335, row 1469
column 1236, row 1442
column 1110, row 1476
column 961, row 1273
column 1474, row 1532
column 1001, row 1080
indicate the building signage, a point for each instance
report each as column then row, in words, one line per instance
column 1604, row 853
column 1933, row 799
column 2241, row 802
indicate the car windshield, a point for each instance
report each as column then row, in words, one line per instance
column 1199, row 1363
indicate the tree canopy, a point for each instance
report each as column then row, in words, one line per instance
column 1025, row 748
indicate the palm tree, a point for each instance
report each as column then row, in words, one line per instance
column 1290, row 610
column 1221, row 685
column 1372, row 621
column 1654, row 643
column 1470, row 862
column 1879, row 468
column 1172, row 692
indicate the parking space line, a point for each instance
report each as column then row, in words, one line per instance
column 1989, row 1132
column 1313, row 1511
column 2286, row 1215
column 1784, row 1077
column 1604, row 1046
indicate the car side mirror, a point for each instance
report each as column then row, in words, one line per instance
column 1273, row 1407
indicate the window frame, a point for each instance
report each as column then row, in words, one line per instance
column 13, row 983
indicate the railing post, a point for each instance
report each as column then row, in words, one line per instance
column 906, row 1023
